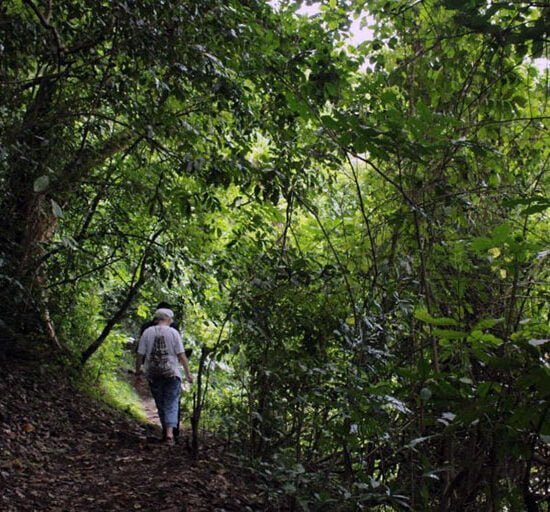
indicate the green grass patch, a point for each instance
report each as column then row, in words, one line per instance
column 114, row 390
column 106, row 377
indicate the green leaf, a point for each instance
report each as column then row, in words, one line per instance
column 423, row 315
column 331, row 123
column 480, row 336
column 487, row 323
column 523, row 201
column 502, row 233
column 41, row 184
column 448, row 334
column 484, row 388
column 482, row 244
column 539, row 206
column 142, row 311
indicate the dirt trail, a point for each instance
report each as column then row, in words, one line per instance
column 147, row 402
column 61, row 451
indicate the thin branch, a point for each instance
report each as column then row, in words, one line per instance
column 46, row 24
column 384, row 176
column 366, row 219
column 138, row 278
column 77, row 278
column 336, row 257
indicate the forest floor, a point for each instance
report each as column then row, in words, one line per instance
column 62, row 451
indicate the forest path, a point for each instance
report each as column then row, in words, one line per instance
column 147, row 402
column 61, row 451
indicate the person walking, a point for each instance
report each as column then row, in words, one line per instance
column 188, row 352
column 160, row 349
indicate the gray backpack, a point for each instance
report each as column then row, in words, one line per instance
column 159, row 366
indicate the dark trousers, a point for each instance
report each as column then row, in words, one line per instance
column 166, row 393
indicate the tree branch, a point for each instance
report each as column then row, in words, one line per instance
column 138, row 279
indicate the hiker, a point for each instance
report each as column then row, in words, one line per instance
column 161, row 348
column 188, row 352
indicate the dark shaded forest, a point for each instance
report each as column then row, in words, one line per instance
column 355, row 236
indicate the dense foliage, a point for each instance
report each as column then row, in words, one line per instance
column 356, row 235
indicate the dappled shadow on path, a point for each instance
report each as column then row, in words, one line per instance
column 60, row 451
